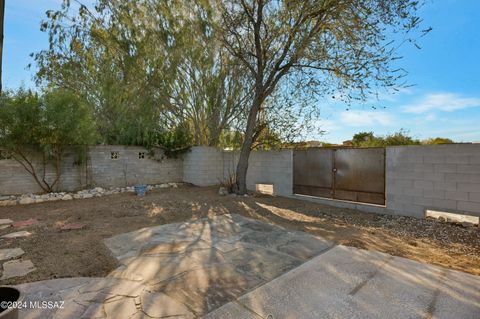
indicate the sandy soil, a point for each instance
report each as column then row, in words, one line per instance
column 58, row 254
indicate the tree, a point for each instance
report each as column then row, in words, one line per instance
column 336, row 45
column 362, row 137
column 438, row 141
column 149, row 68
column 400, row 138
column 116, row 56
column 368, row 139
column 37, row 130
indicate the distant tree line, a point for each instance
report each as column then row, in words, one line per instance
column 368, row 139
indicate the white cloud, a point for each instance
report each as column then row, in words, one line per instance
column 447, row 102
column 365, row 118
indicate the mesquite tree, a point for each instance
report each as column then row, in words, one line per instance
column 340, row 45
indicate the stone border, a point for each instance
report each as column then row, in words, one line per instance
column 86, row 193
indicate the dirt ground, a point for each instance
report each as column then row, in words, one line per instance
column 58, row 254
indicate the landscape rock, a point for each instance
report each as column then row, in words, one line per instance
column 98, row 189
column 17, row 234
column 17, row 268
column 5, row 221
column 223, row 191
column 67, row 197
column 26, row 200
column 9, row 253
column 25, row 223
column 86, row 193
column 8, row 202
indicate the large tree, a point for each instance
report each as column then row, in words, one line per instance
column 337, row 45
column 148, row 66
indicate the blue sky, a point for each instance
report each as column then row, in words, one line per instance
column 445, row 100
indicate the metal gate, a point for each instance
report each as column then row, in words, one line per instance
column 354, row 174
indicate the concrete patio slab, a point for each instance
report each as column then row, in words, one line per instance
column 233, row 267
column 346, row 282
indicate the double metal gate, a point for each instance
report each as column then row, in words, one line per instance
column 354, row 174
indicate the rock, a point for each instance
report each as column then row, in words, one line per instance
column 25, row 223
column 67, row 197
column 77, row 196
column 98, row 189
column 73, row 226
column 17, row 268
column 94, row 310
column 159, row 305
column 222, row 191
column 17, row 234
column 39, row 200
column 8, row 202
column 4, row 226
column 5, row 221
column 467, row 224
column 164, row 186
column 124, row 308
column 9, row 253
column 87, row 196
column 4, row 197
column 26, row 200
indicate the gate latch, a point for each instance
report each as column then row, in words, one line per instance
column 334, row 170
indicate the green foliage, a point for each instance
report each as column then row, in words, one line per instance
column 362, row 137
column 47, row 125
column 368, row 139
column 437, row 141
column 174, row 142
column 19, row 120
column 147, row 66
column 66, row 120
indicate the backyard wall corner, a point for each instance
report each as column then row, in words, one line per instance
column 442, row 178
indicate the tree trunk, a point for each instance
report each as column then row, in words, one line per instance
column 242, row 165
column 2, row 18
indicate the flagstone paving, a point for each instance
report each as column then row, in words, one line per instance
column 182, row 269
column 232, row 267
column 9, row 253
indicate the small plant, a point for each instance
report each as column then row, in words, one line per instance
column 230, row 183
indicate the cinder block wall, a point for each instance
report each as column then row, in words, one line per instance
column 14, row 179
column 129, row 169
column 438, row 177
column 205, row 166
column 98, row 170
